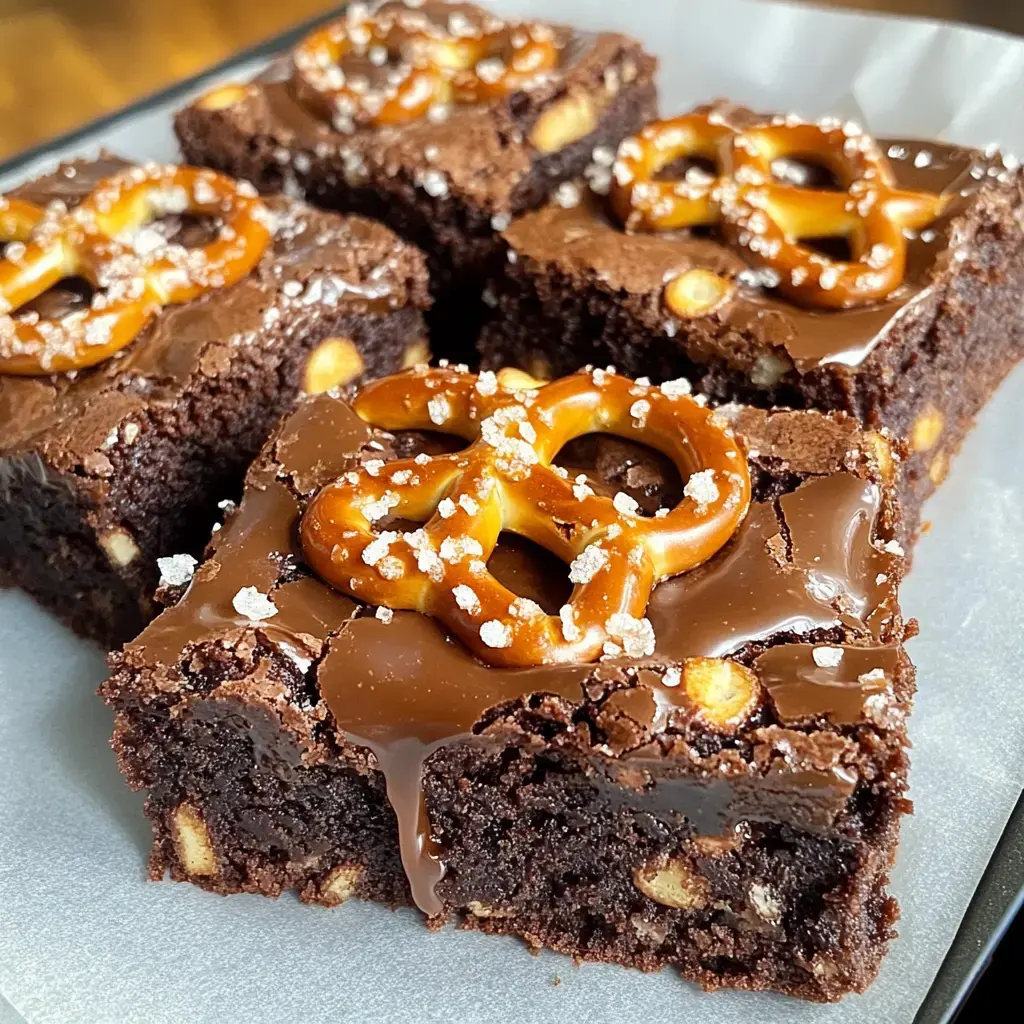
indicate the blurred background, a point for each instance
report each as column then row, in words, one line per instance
column 101, row 54
column 67, row 61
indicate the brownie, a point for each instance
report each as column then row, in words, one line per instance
column 106, row 469
column 919, row 362
column 446, row 181
column 720, row 792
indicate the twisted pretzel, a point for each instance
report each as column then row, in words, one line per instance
column 505, row 481
column 766, row 218
column 100, row 240
column 427, row 64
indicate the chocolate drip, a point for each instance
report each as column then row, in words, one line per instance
column 405, row 689
column 809, row 799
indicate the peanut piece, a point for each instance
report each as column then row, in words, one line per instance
column 880, row 447
column 769, row 368
column 673, row 883
column 120, row 547
column 564, row 122
column 697, row 292
column 924, row 434
column 518, row 380
column 939, row 468
column 478, row 909
column 716, row 846
column 340, row 884
column 723, row 692
column 192, row 842
column 224, row 96
column 334, row 362
column 416, row 352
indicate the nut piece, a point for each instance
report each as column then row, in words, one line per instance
column 673, row 883
column 478, row 909
column 224, row 96
column 518, row 380
column 564, row 122
column 120, row 547
column 716, row 846
column 340, row 884
column 722, row 692
column 192, row 842
column 334, row 362
column 939, row 468
column 769, row 368
column 697, row 292
column 881, row 448
column 415, row 353
column 926, row 429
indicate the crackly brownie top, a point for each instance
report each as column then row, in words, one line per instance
column 793, row 626
column 477, row 141
column 314, row 261
column 584, row 235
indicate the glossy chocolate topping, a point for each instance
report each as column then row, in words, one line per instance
column 396, row 684
column 316, row 261
column 476, row 151
column 807, row 682
column 586, row 240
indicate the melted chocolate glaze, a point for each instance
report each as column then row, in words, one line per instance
column 67, row 417
column 587, row 239
column 806, row 562
column 480, row 149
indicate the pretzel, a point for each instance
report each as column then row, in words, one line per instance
column 434, row 66
column 505, row 480
column 94, row 241
column 767, row 219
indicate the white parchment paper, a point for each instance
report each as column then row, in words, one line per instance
column 83, row 938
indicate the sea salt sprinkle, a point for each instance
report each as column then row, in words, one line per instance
column 253, row 605
column 827, row 657
column 176, row 570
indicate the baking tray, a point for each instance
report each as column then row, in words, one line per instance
column 142, row 129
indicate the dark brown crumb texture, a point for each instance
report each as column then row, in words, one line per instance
column 105, row 471
column 752, row 857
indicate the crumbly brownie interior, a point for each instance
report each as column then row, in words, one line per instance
column 161, row 489
column 577, row 291
column 104, row 471
column 574, row 818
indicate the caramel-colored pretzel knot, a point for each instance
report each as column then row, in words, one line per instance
column 428, row 65
column 767, row 219
column 135, row 271
column 505, row 480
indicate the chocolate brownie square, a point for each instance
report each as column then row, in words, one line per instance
column 606, row 275
column 718, row 790
column 108, row 467
column 442, row 120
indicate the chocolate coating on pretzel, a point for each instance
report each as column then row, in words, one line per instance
column 504, row 481
column 135, row 278
column 392, row 66
column 768, row 219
